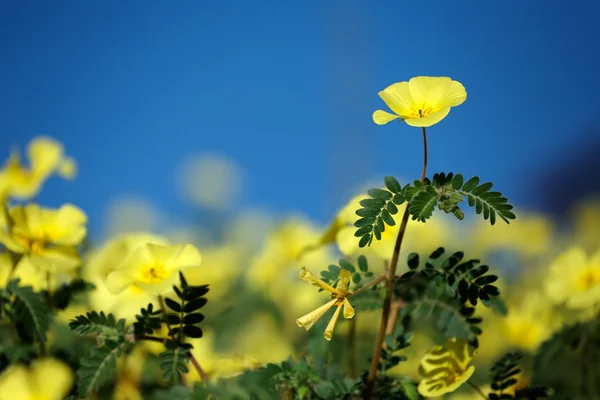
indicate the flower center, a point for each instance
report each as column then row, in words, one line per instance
column 153, row 273
column 35, row 246
column 587, row 279
column 421, row 111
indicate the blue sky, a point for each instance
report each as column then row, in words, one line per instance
column 287, row 90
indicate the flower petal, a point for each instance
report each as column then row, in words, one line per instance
column 429, row 120
column 331, row 326
column 344, row 280
column 10, row 244
column 44, row 156
column 164, row 286
column 348, row 309
column 70, row 225
column 117, row 281
column 14, row 382
column 381, row 117
column 52, row 377
column 67, row 168
column 186, row 256
column 398, row 97
column 438, row 92
column 346, row 241
column 308, row 277
column 307, row 321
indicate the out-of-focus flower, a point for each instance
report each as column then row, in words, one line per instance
column 586, row 224
column 45, row 156
column 154, row 268
column 446, row 367
column 129, row 374
column 106, row 259
column 46, row 237
column 211, row 181
column 530, row 321
column 575, row 279
column 529, row 235
column 47, row 379
column 423, row 101
column 339, row 299
column 131, row 214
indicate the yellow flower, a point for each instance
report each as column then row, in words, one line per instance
column 339, row 298
column 446, row 367
column 154, row 268
column 575, row 279
column 46, row 237
column 45, row 158
column 46, row 379
column 423, row 101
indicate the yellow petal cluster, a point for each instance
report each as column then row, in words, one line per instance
column 339, row 296
column 446, row 367
column 46, row 157
column 574, row 279
column 153, row 268
column 46, row 379
column 423, row 101
column 48, row 238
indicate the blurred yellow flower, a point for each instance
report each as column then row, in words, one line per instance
column 154, row 268
column 423, row 101
column 586, row 224
column 46, row 237
column 104, row 260
column 530, row 321
column 339, row 296
column 46, row 379
column 446, row 367
column 46, row 156
column 575, row 279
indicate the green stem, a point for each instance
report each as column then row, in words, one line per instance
column 368, row 285
column 387, row 303
column 477, row 389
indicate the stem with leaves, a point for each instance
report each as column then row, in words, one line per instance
column 387, row 303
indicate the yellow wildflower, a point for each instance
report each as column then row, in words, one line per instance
column 46, row 156
column 46, row 237
column 47, row 379
column 154, row 268
column 339, row 296
column 446, row 367
column 575, row 279
column 423, row 101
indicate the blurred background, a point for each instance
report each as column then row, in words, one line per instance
column 245, row 127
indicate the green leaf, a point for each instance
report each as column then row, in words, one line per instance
column 192, row 331
column 174, row 362
column 457, row 181
column 94, row 323
column 379, row 194
column 194, row 305
column 392, row 184
column 172, row 304
column 471, row 184
column 362, row 263
column 387, row 218
column 413, row 261
column 30, row 310
column 356, row 277
column 195, row 318
column 99, row 367
column 423, row 204
column 345, row 264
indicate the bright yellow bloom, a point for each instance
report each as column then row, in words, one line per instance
column 446, row 367
column 339, row 296
column 423, row 101
column 46, row 379
column 575, row 279
column 153, row 268
column 46, row 156
column 46, row 237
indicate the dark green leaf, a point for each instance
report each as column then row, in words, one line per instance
column 194, row 305
column 392, row 184
column 173, row 305
column 379, row 194
column 362, row 263
column 192, row 331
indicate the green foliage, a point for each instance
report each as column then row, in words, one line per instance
column 258, row 384
column 100, row 366
column 389, row 355
column 360, row 273
column 447, row 191
column 174, row 361
column 29, row 311
column 387, row 387
column 148, row 321
column 100, row 324
column 183, row 322
column 378, row 211
column 504, row 376
column 66, row 293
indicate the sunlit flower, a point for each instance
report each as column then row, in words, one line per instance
column 339, row 296
column 46, row 237
column 47, row 379
column 575, row 279
column 153, row 268
column 423, row 101
column 446, row 367
column 46, row 157
column 104, row 260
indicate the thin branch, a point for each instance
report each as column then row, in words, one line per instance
column 477, row 389
column 375, row 281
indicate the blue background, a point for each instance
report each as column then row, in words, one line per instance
column 287, row 90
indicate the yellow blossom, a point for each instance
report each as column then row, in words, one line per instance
column 575, row 279
column 46, row 379
column 46, row 237
column 339, row 296
column 45, row 156
column 154, row 268
column 423, row 101
column 446, row 367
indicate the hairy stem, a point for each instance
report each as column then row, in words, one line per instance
column 387, row 303
column 375, row 281
column 477, row 389
column 203, row 375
